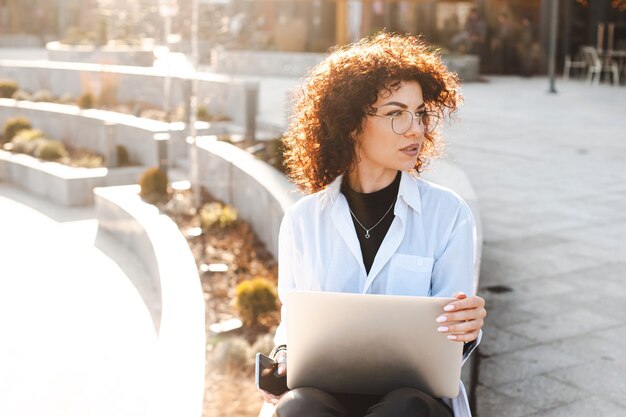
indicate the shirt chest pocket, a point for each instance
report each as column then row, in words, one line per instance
column 409, row 275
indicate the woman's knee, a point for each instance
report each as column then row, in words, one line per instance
column 409, row 402
column 305, row 402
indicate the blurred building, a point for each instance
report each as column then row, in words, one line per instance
column 515, row 31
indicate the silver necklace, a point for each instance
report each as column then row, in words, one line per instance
column 367, row 231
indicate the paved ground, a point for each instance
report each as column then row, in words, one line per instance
column 76, row 338
column 550, row 174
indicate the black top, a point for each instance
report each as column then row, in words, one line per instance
column 369, row 208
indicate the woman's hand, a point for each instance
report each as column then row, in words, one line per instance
column 281, row 360
column 463, row 319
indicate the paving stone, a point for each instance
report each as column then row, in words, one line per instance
column 497, row 341
column 565, row 325
column 493, row 404
column 594, row 347
column 542, row 392
column 522, row 364
column 586, row 407
column 603, row 380
column 554, row 221
column 537, row 288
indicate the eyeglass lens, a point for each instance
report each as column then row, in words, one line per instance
column 401, row 122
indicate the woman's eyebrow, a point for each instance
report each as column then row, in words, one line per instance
column 401, row 105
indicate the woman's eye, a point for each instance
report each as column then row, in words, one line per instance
column 395, row 113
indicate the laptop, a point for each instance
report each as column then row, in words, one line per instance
column 370, row 344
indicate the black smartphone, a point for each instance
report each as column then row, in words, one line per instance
column 267, row 377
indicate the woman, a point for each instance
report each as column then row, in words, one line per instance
column 364, row 126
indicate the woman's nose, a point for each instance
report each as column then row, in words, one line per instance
column 416, row 128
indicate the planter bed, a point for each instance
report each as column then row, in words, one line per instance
column 228, row 97
column 86, row 129
column 62, row 184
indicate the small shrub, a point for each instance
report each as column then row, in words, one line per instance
column 67, row 98
column 25, row 140
column 50, row 150
column 217, row 215
column 77, row 36
column 88, row 161
column 203, row 114
column 85, row 101
column 153, row 184
column 14, row 125
column 42, row 96
column 21, row 95
column 232, row 355
column 7, row 88
column 123, row 159
column 255, row 298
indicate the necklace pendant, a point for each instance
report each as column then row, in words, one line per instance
column 367, row 234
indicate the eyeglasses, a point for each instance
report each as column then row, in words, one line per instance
column 402, row 120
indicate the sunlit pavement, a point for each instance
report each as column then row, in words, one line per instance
column 550, row 174
column 76, row 336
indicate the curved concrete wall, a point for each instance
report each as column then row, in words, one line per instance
column 259, row 192
column 157, row 242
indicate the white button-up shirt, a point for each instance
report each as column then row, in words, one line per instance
column 429, row 249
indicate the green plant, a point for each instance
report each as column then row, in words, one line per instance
column 14, row 125
column 232, row 354
column 203, row 114
column 255, row 298
column 123, row 158
column 153, row 183
column 25, row 141
column 216, row 214
column 21, row 95
column 42, row 96
column 67, row 98
column 50, row 150
column 77, row 36
column 88, row 161
column 7, row 88
column 85, row 101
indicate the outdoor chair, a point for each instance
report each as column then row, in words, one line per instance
column 596, row 66
column 579, row 63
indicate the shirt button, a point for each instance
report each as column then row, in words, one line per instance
column 420, row 262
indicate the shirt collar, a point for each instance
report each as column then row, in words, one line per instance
column 406, row 191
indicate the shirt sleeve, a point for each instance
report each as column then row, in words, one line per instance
column 288, row 265
column 453, row 269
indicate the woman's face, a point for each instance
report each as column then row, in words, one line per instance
column 379, row 148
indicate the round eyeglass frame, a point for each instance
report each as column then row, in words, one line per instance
column 428, row 120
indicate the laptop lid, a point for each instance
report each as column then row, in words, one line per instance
column 370, row 344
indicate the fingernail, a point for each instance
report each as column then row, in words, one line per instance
column 441, row 319
column 442, row 329
column 449, row 307
column 451, row 337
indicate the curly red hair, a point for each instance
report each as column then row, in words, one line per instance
column 320, row 142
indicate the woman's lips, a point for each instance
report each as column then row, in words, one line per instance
column 411, row 150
